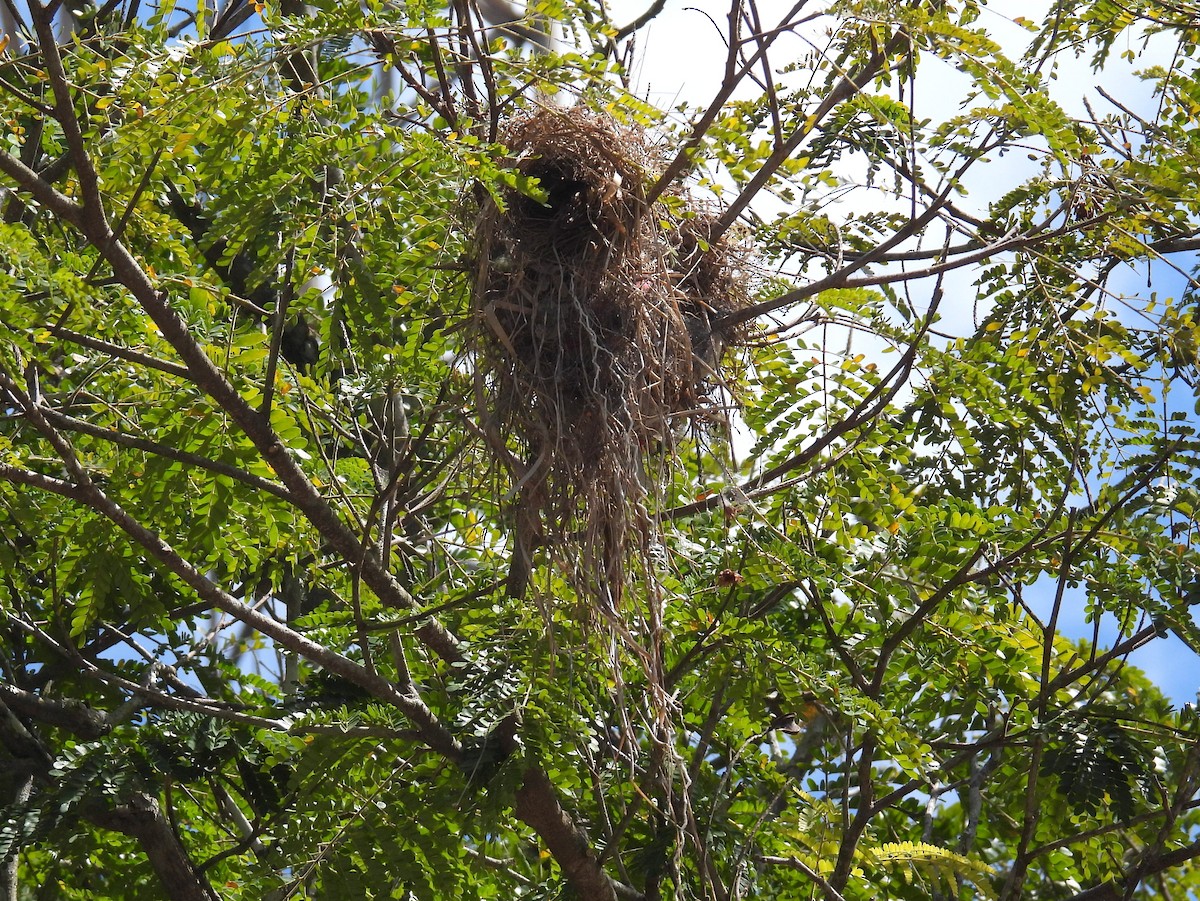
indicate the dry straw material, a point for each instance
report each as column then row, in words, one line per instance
column 597, row 338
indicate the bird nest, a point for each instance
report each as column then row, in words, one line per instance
column 598, row 335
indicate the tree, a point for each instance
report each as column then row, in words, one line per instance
column 502, row 487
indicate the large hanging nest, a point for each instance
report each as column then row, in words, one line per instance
column 598, row 337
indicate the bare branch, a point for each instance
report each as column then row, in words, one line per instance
column 115, row 350
column 71, row 424
column 821, row 882
column 849, row 85
column 733, row 77
column 651, row 12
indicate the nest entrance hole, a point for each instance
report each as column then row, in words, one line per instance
column 566, row 194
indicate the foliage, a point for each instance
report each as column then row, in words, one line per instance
column 275, row 622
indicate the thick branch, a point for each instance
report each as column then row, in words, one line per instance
column 1113, row 890
column 536, row 802
column 41, row 190
column 87, row 492
column 537, row 806
column 64, row 112
column 303, row 493
column 862, row 816
column 141, row 818
column 74, row 716
column 20, row 743
column 210, row 379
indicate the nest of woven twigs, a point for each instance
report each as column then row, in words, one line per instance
column 598, row 336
